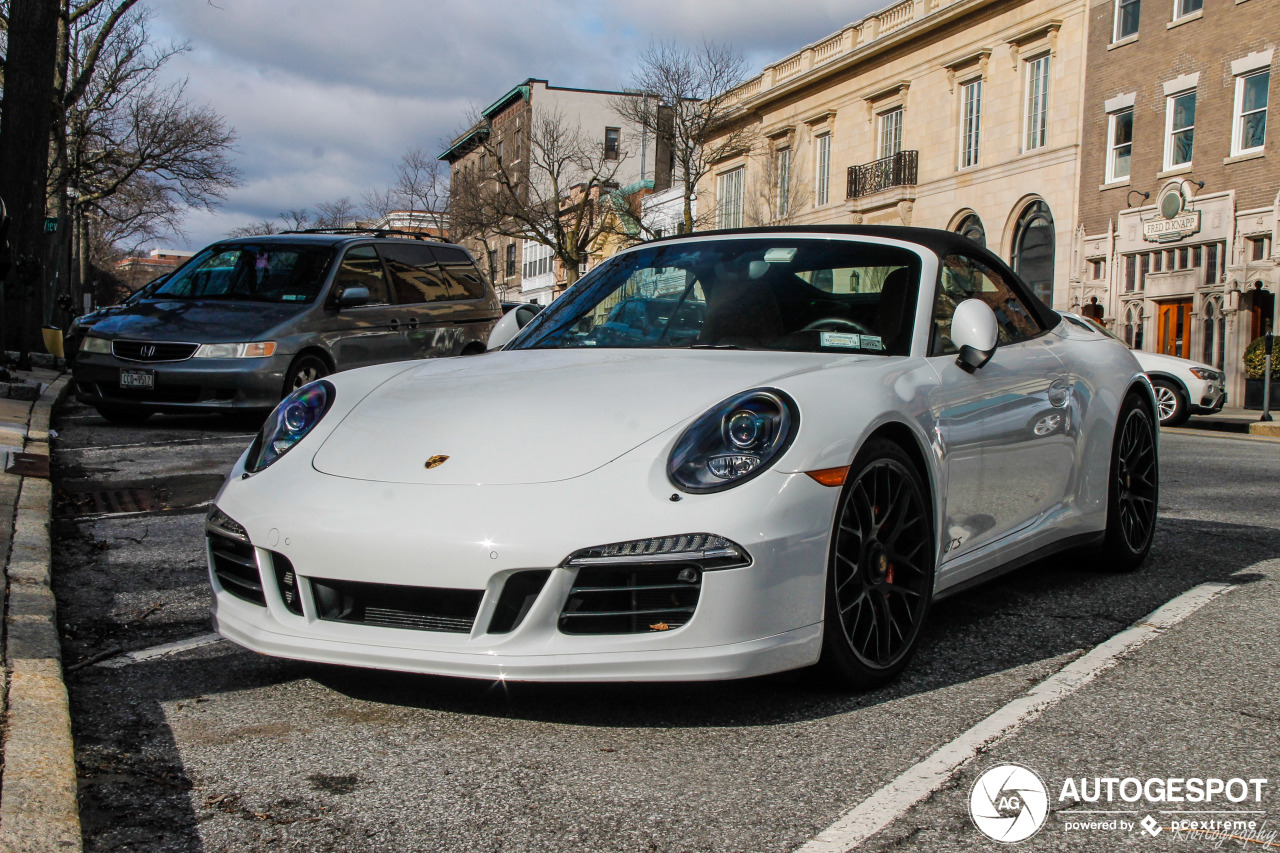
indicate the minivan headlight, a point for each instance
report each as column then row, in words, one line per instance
column 289, row 423
column 257, row 349
column 98, row 345
column 733, row 441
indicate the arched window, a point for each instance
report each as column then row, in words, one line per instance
column 1133, row 325
column 1033, row 245
column 1215, row 331
column 971, row 227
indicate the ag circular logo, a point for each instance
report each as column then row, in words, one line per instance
column 1008, row 803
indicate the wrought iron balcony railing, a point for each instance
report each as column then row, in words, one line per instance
column 896, row 171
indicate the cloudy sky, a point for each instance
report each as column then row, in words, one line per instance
column 325, row 95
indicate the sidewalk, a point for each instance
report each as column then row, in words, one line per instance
column 1235, row 420
column 38, row 808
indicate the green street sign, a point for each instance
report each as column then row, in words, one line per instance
column 50, row 224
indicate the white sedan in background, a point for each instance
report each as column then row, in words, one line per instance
column 1183, row 387
column 846, row 424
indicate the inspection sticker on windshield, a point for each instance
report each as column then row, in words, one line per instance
column 841, row 339
column 872, row 342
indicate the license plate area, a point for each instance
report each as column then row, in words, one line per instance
column 143, row 379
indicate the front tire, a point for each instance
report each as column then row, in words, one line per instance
column 880, row 570
column 1171, row 403
column 305, row 369
column 1133, row 490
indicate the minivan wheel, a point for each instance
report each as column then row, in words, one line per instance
column 305, row 369
column 123, row 415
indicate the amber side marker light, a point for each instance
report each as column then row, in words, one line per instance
column 830, row 476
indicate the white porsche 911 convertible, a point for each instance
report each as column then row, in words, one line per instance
column 715, row 456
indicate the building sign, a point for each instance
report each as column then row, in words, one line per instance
column 1174, row 221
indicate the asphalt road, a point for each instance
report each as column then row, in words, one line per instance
column 219, row 749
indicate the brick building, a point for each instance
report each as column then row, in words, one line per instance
column 1179, row 177
column 503, row 132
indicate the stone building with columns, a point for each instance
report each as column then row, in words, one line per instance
column 956, row 114
column 1179, row 176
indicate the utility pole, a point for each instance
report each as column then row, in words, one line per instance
column 26, row 120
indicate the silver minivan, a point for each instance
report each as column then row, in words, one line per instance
column 248, row 320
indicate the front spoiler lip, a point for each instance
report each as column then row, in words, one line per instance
column 789, row 650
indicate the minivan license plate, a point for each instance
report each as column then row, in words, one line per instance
column 138, row 379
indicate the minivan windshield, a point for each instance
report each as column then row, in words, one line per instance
column 772, row 293
column 266, row 272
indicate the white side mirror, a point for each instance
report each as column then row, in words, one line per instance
column 974, row 330
column 506, row 329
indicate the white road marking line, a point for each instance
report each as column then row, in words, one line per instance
column 896, row 798
column 208, row 440
column 160, row 651
column 170, row 511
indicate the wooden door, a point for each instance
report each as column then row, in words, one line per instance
column 1173, row 328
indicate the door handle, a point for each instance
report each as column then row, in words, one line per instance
column 412, row 323
column 393, row 325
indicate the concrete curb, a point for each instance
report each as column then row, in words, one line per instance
column 39, row 810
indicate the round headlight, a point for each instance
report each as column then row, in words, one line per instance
column 289, row 423
column 733, row 441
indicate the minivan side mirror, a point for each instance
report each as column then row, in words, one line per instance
column 974, row 330
column 353, row 296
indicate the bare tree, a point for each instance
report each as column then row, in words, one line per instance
column 557, row 196
column 335, row 214
column 255, row 229
column 422, row 186
column 695, row 85
column 776, row 196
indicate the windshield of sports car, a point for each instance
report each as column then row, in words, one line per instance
column 270, row 272
column 795, row 295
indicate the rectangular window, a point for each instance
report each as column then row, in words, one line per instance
column 1195, row 256
column 1258, row 248
column 1182, row 8
column 612, row 143
column 511, row 259
column 493, row 262
column 1119, row 144
column 1182, row 258
column 516, row 152
column 782, row 165
column 1180, row 129
column 971, row 123
column 1130, row 272
column 729, row 199
column 1126, row 18
column 1157, row 261
column 1037, row 103
column 499, row 151
column 822, row 180
column 1211, row 263
column 1250, row 127
column 1143, row 269
column 890, row 132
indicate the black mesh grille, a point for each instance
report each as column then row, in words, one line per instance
column 518, row 595
column 287, row 581
column 631, row 599
column 417, row 608
column 152, row 350
column 236, row 569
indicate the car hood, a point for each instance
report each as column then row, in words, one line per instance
column 536, row 416
column 195, row 320
column 1159, row 361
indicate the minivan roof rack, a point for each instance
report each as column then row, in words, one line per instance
column 376, row 232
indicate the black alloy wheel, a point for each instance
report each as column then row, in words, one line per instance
column 880, row 573
column 305, row 369
column 1134, row 489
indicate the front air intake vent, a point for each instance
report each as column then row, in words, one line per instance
column 417, row 608
column 518, row 595
column 631, row 599
column 236, row 568
column 287, row 581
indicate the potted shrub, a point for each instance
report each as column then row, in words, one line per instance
column 1254, row 361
